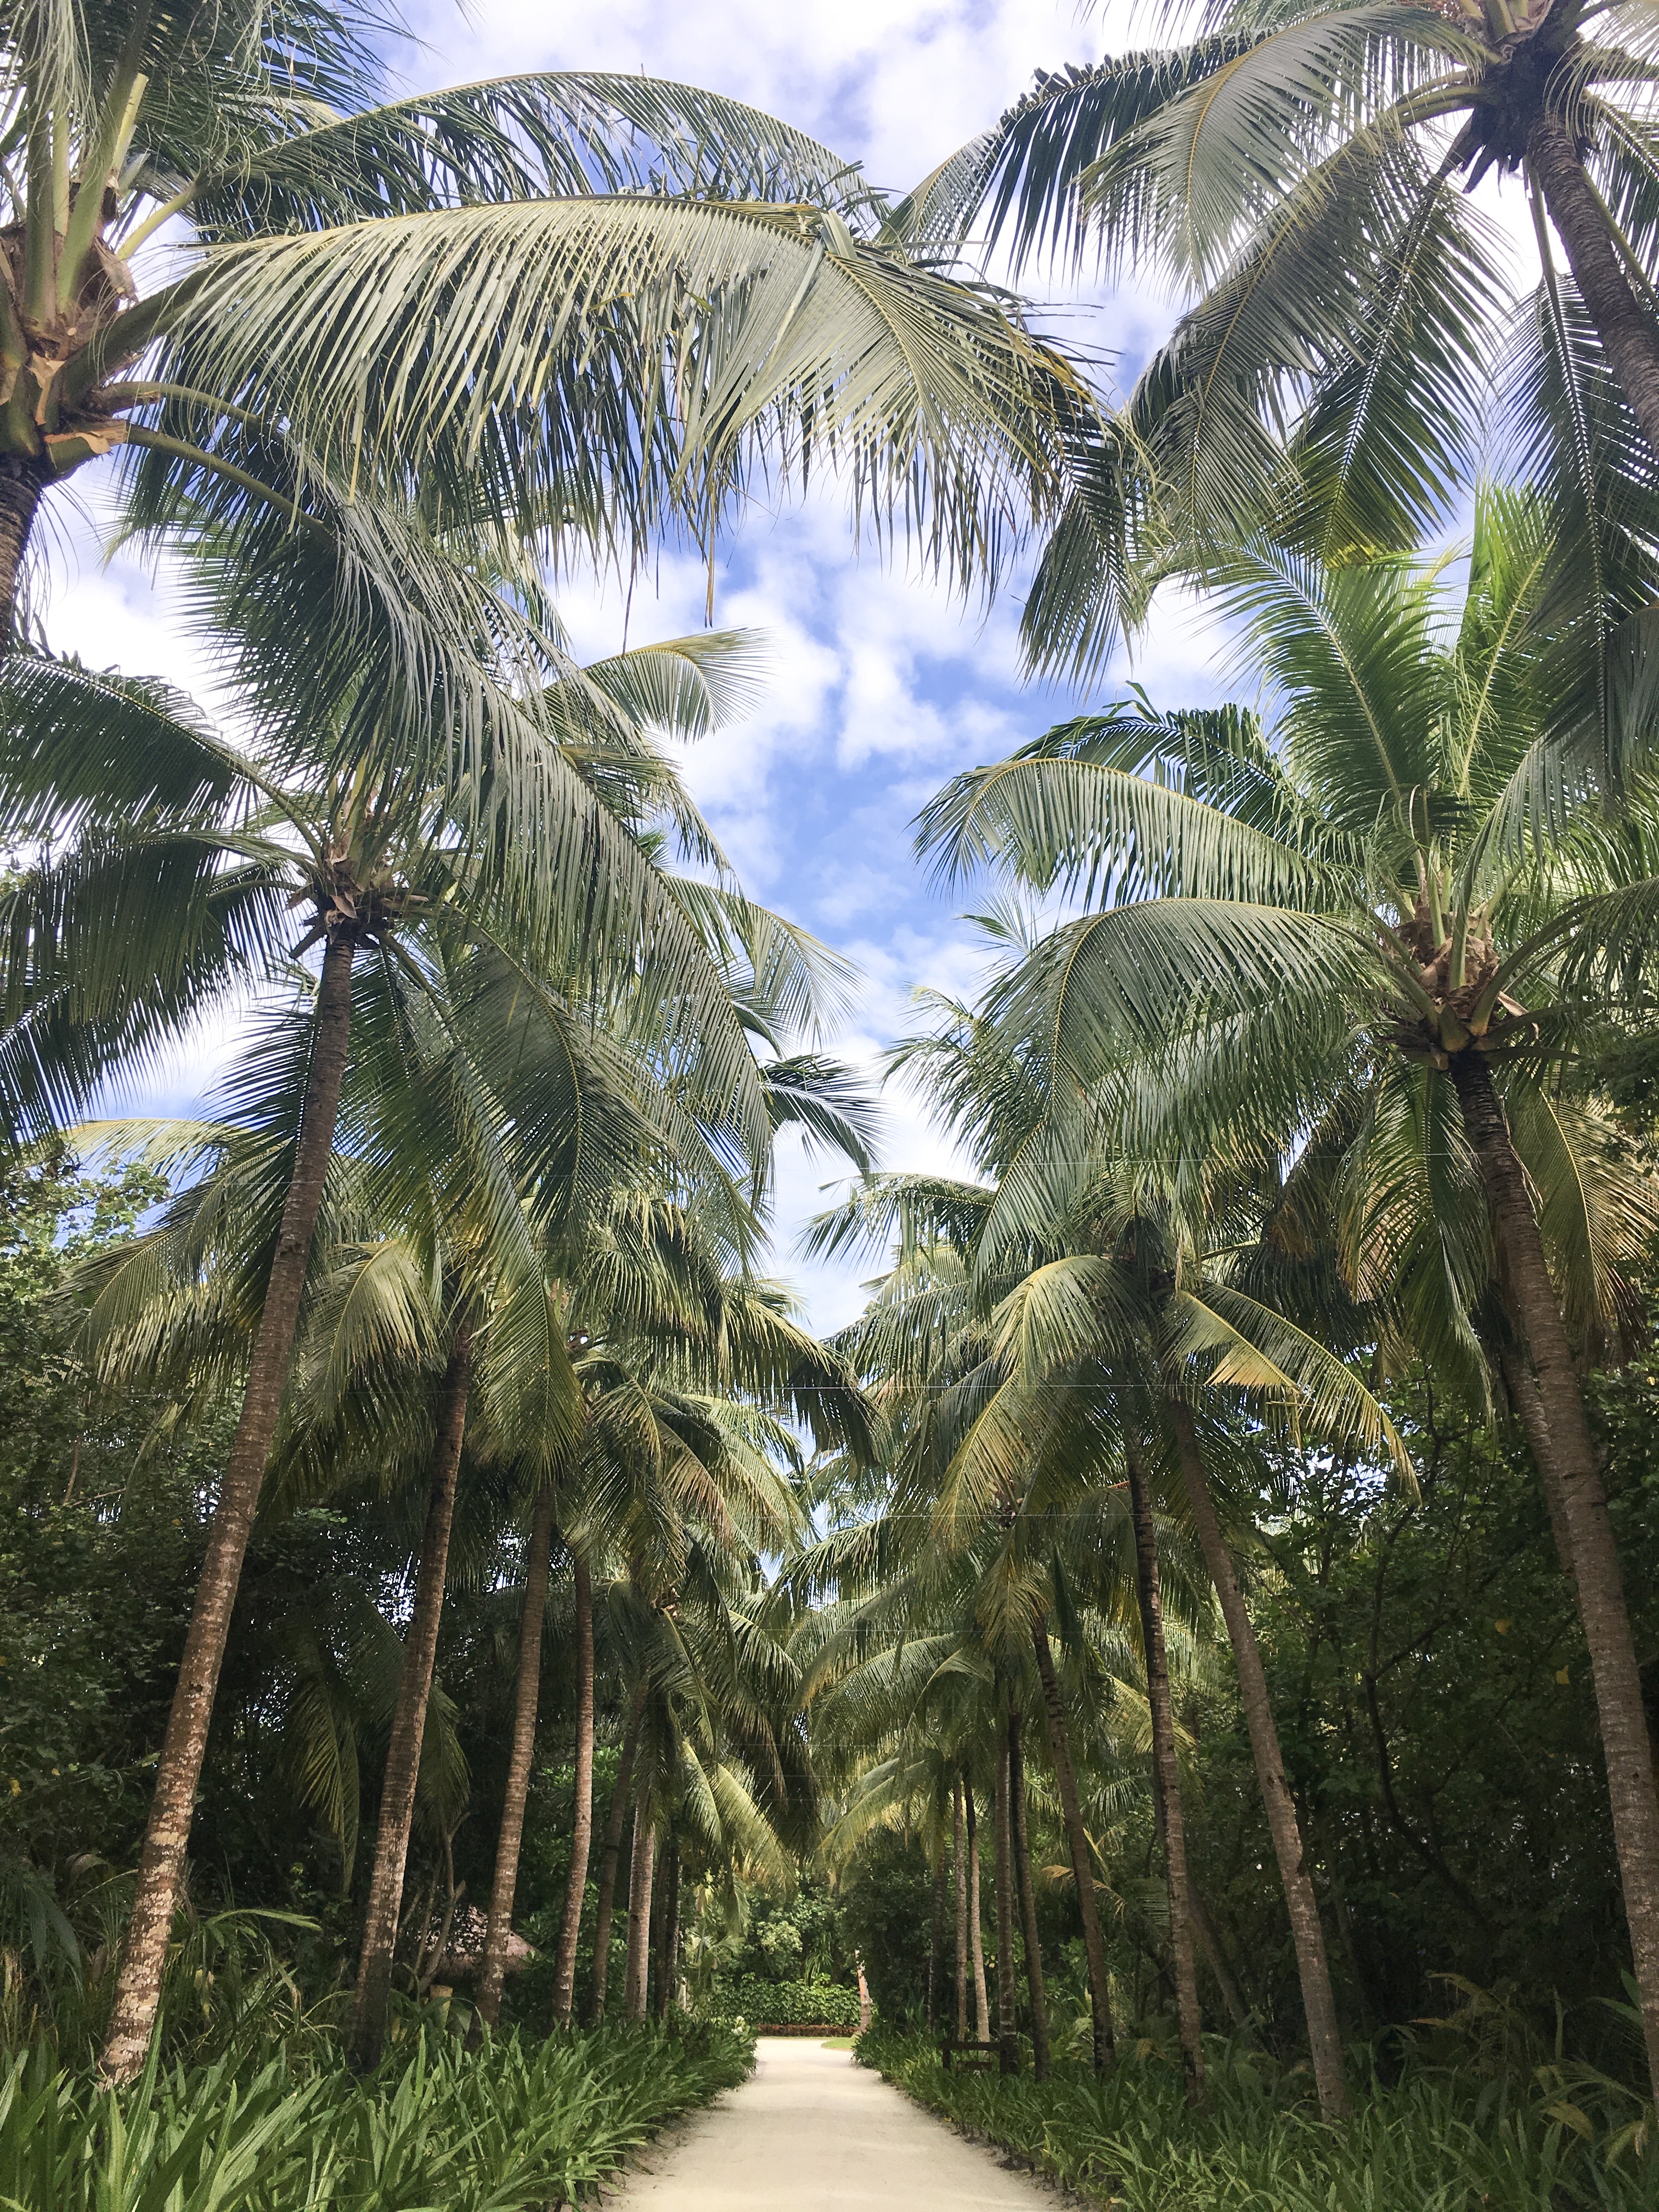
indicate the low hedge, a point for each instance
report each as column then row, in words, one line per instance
column 784, row 2004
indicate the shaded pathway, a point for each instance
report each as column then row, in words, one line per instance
column 813, row 2132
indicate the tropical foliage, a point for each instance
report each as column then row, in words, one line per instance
column 464, row 1638
column 1443, row 2136
column 512, row 2127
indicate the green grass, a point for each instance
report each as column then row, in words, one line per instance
column 840, row 2042
column 515, row 2125
column 1442, row 2141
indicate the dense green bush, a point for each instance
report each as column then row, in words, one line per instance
column 514, row 2125
column 1549, row 2140
column 887, row 1906
column 784, row 2004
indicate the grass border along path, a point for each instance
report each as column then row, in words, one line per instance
column 1432, row 2144
column 516, row 2125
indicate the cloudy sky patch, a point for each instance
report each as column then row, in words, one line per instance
column 879, row 684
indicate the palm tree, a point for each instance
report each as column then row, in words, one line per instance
column 402, row 1761
column 1098, row 1294
column 645, row 1290
column 156, row 803
column 1328, row 926
column 1348, row 284
column 487, row 1998
column 920, row 1340
column 503, row 305
column 1041, row 2063
column 1302, row 175
column 616, row 1818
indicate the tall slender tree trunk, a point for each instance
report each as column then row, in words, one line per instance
column 527, row 1693
column 1624, row 324
column 1166, row 1774
column 641, row 1867
column 977, row 1928
column 1209, row 1942
column 1307, row 1932
column 581, row 1833
column 1564, row 1435
column 668, row 1927
column 402, row 1759
column 1523, row 1385
column 20, row 500
column 1034, row 1991
column 1077, row 1845
column 959, row 1858
column 144, row 1949
column 936, row 1938
column 617, row 1813
column 1007, row 2045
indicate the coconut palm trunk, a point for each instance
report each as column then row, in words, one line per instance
column 936, row 1938
column 402, row 1761
column 1035, row 1996
column 1570, row 1464
column 1077, row 1845
column 1523, row 1387
column 976, row 1927
column 1007, row 2044
column 527, row 1696
column 161, row 1866
column 1306, row 1933
column 582, row 1833
column 20, row 500
column 668, row 1927
column 615, row 1819
column 1166, row 1774
column 642, row 1868
column 1624, row 324
column 959, row 1862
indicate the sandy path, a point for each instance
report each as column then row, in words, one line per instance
column 813, row 2132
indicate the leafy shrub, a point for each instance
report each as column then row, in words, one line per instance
column 1437, row 2142
column 514, row 2125
column 784, row 2004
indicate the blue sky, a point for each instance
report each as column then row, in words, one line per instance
column 879, row 686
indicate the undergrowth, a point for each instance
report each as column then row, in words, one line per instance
column 516, row 2125
column 1440, row 2140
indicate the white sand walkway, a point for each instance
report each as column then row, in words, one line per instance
column 813, row 2132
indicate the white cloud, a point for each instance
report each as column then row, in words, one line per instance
column 896, row 85
column 880, row 683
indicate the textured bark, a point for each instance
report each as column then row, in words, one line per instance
column 1569, row 1456
column 1625, row 325
column 402, row 1759
column 1077, row 1845
column 977, row 1929
column 582, row 1833
column 1209, row 1942
column 1007, row 2043
column 959, row 1855
column 936, row 1939
column 19, row 502
column 1166, row 1774
column 668, row 1928
column 642, row 1864
column 1033, row 1989
column 161, row 1866
column 1306, row 1933
column 1523, row 1385
column 527, row 1696
column 615, row 1818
